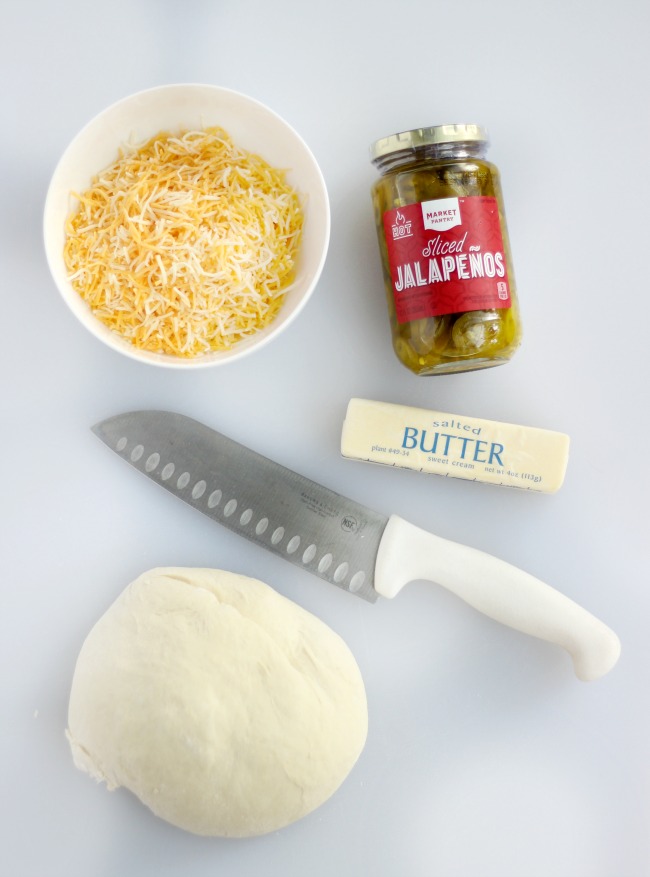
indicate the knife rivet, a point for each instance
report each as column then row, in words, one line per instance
column 278, row 533
column 230, row 507
column 262, row 526
column 294, row 542
column 198, row 490
column 152, row 462
column 214, row 499
column 167, row 472
column 137, row 452
column 340, row 572
column 357, row 580
column 183, row 480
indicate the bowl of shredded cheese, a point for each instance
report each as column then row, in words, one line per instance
column 187, row 225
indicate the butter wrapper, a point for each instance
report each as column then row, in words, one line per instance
column 455, row 446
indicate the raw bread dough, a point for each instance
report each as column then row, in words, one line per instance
column 226, row 708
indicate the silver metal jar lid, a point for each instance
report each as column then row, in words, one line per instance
column 428, row 137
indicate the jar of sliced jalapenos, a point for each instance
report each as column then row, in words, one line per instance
column 445, row 251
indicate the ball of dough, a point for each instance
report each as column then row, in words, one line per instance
column 225, row 707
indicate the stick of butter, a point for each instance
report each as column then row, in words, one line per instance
column 459, row 447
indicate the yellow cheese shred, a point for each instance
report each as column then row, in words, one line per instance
column 186, row 244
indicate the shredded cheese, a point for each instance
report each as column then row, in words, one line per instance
column 186, row 244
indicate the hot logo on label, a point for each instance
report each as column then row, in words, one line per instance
column 401, row 227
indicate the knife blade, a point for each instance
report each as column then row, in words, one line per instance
column 342, row 541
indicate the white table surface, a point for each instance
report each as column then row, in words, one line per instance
column 485, row 756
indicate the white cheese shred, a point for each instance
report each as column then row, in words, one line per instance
column 186, row 244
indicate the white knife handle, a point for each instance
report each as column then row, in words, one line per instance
column 497, row 589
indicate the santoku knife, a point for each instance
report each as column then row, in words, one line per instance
column 341, row 541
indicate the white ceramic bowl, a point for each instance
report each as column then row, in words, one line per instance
column 252, row 126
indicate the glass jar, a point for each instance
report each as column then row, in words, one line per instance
column 445, row 252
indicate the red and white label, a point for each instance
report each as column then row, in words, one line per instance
column 446, row 256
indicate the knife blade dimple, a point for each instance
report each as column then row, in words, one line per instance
column 280, row 510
